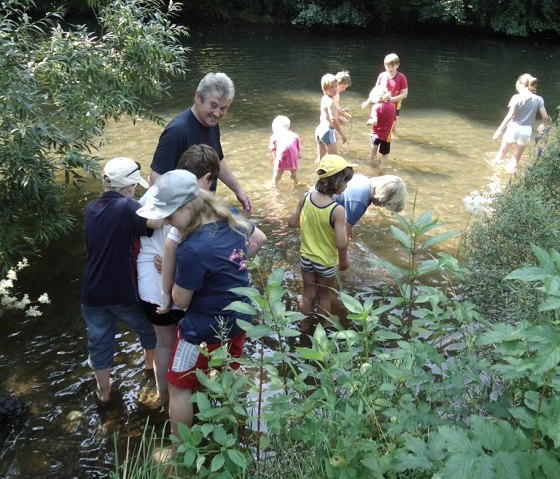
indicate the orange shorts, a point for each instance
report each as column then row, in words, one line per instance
column 186, row 359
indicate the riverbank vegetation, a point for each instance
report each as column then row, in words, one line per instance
column 58, row 90
column 512, row 18
column 421, row 384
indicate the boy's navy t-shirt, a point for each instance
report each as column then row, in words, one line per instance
column 178, row 136
column 205, row 265
column 112, row 231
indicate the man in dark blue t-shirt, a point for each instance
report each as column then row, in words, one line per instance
column 199, row 125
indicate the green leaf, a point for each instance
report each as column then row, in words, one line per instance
column 506, row 465
column 524, row 417
column 202, row 402
column 347, row 334
column 258, row 331
column 548, row 358
column 264, row 442
column 427, row 266
column 371, row 463
column 276, row 276
column 425, row 223
column 200, row 462
column 528, row 274
column 289, row 333
column 242, row 308
column 402, row 237
column 247, row 292
column 320, row 335
column 189, row 457
column 385, row 335
column 351, row 303
column 550, row 304
column 310, row 354
column 465, row 466
column 487, row 433
column 457, row 440
column 217, row 462
column 220, row 435
column 439, row 238
column 548, row 462
column 237, row 458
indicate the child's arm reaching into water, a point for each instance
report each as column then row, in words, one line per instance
column 504, row 124
column 293, row 221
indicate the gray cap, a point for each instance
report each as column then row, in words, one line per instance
column 121, row 172
column 170, row 191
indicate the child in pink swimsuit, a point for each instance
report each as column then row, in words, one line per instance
column 286, row 150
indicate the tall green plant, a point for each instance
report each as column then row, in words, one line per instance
column 459, row 398
column 417, row 244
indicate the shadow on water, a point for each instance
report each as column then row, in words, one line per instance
column 444, row 151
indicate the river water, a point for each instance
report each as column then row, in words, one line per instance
column 459, row 88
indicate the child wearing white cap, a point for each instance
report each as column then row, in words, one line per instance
column 109, row 287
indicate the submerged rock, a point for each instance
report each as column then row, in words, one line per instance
column 10, row 406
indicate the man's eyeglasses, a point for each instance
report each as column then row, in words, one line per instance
column 138, row 168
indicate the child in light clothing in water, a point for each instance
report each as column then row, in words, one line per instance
column 382, row 118
column 343, row 83
column 286, row 150
column 329, row 119
column 323, row 233
column 518, row 123
column 387, row 191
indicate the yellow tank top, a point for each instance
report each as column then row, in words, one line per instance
column 318, row 242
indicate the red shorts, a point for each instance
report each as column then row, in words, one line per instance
column 186, row 359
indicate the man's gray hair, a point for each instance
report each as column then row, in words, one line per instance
column 219, row 83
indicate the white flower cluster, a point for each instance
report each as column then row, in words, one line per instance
column 476, row 202
column 8, row 299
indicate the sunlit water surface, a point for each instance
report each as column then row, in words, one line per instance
column 459, row 89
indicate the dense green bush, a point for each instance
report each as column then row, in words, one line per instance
column 514, row 17
column 58, row 90
column 526, row 213
column 402, row 390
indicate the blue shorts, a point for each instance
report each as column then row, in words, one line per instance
column 311, row 267
column 325, row 135
column 101, row 323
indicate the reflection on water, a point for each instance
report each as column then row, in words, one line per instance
column 459, row 90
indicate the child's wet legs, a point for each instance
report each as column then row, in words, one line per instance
column 180, row 407
column 309, row 292
column 324, row 294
